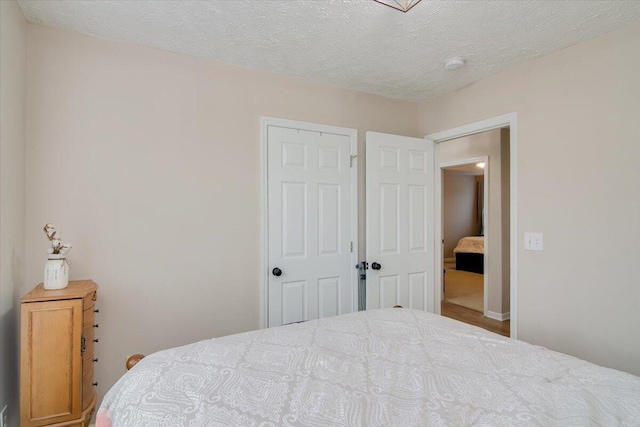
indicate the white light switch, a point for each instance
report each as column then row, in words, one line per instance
column 533, row 241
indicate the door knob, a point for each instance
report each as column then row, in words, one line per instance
column 376, row 266
column 277, row 272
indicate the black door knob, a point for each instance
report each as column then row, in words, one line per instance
column 376, row 266
column 277, row 272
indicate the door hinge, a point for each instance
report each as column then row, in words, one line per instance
column 351, row 246
column 351, row 160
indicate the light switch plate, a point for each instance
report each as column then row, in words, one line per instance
column 533, row 241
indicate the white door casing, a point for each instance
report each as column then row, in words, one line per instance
column 439, row 203
column 400, row 222
column 309, row 203
column 509, row 120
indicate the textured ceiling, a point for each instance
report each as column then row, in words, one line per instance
column 357, row 44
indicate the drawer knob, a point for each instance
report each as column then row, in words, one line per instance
column 95, row 326
column 96, row 340
column 97, row 310
column 95, row 360
column 95, row 384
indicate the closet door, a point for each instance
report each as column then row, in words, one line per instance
column 309, row 221
column 400, row 245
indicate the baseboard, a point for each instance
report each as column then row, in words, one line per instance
column 498, row 316
column 450, row 259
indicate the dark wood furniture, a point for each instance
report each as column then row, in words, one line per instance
column 471, row 262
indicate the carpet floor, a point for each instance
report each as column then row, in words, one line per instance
column 464, row 288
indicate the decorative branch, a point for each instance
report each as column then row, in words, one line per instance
column 58, row 247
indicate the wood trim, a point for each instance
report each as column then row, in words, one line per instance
column 355, row 220
column 498, row 316
column 476, row 127
column 475, row 318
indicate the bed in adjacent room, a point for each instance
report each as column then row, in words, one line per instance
column 469, row 253
column 386, row 367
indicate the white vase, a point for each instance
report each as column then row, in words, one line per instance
column 56, row 272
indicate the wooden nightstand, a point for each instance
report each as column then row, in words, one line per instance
column 57, row 357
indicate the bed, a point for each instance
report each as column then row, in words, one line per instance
column 469, row 254
column 390, row 367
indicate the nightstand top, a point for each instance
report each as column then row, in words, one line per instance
column 76, row 289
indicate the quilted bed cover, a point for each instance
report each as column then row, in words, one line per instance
column 472, row 244
column 390, row 367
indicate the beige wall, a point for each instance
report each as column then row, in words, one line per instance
column 13, row 51
column 148, row 162
column 458, row 209
column 578, row 183
column 486, row 144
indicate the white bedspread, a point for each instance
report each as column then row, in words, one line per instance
column 472, row 244
column 394, row 367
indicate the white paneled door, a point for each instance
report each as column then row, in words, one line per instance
column 399, row 238
column 309, row 225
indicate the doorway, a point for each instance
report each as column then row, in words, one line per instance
column 464, row 237
column 481, row 270
column 453, row 146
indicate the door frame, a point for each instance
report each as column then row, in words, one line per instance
column 263, row 278
column 485, row 225
column 506, row 120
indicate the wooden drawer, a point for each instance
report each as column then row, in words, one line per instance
column 88, row 318
column 88, row 333
column 89, row 300
column 87, row 385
